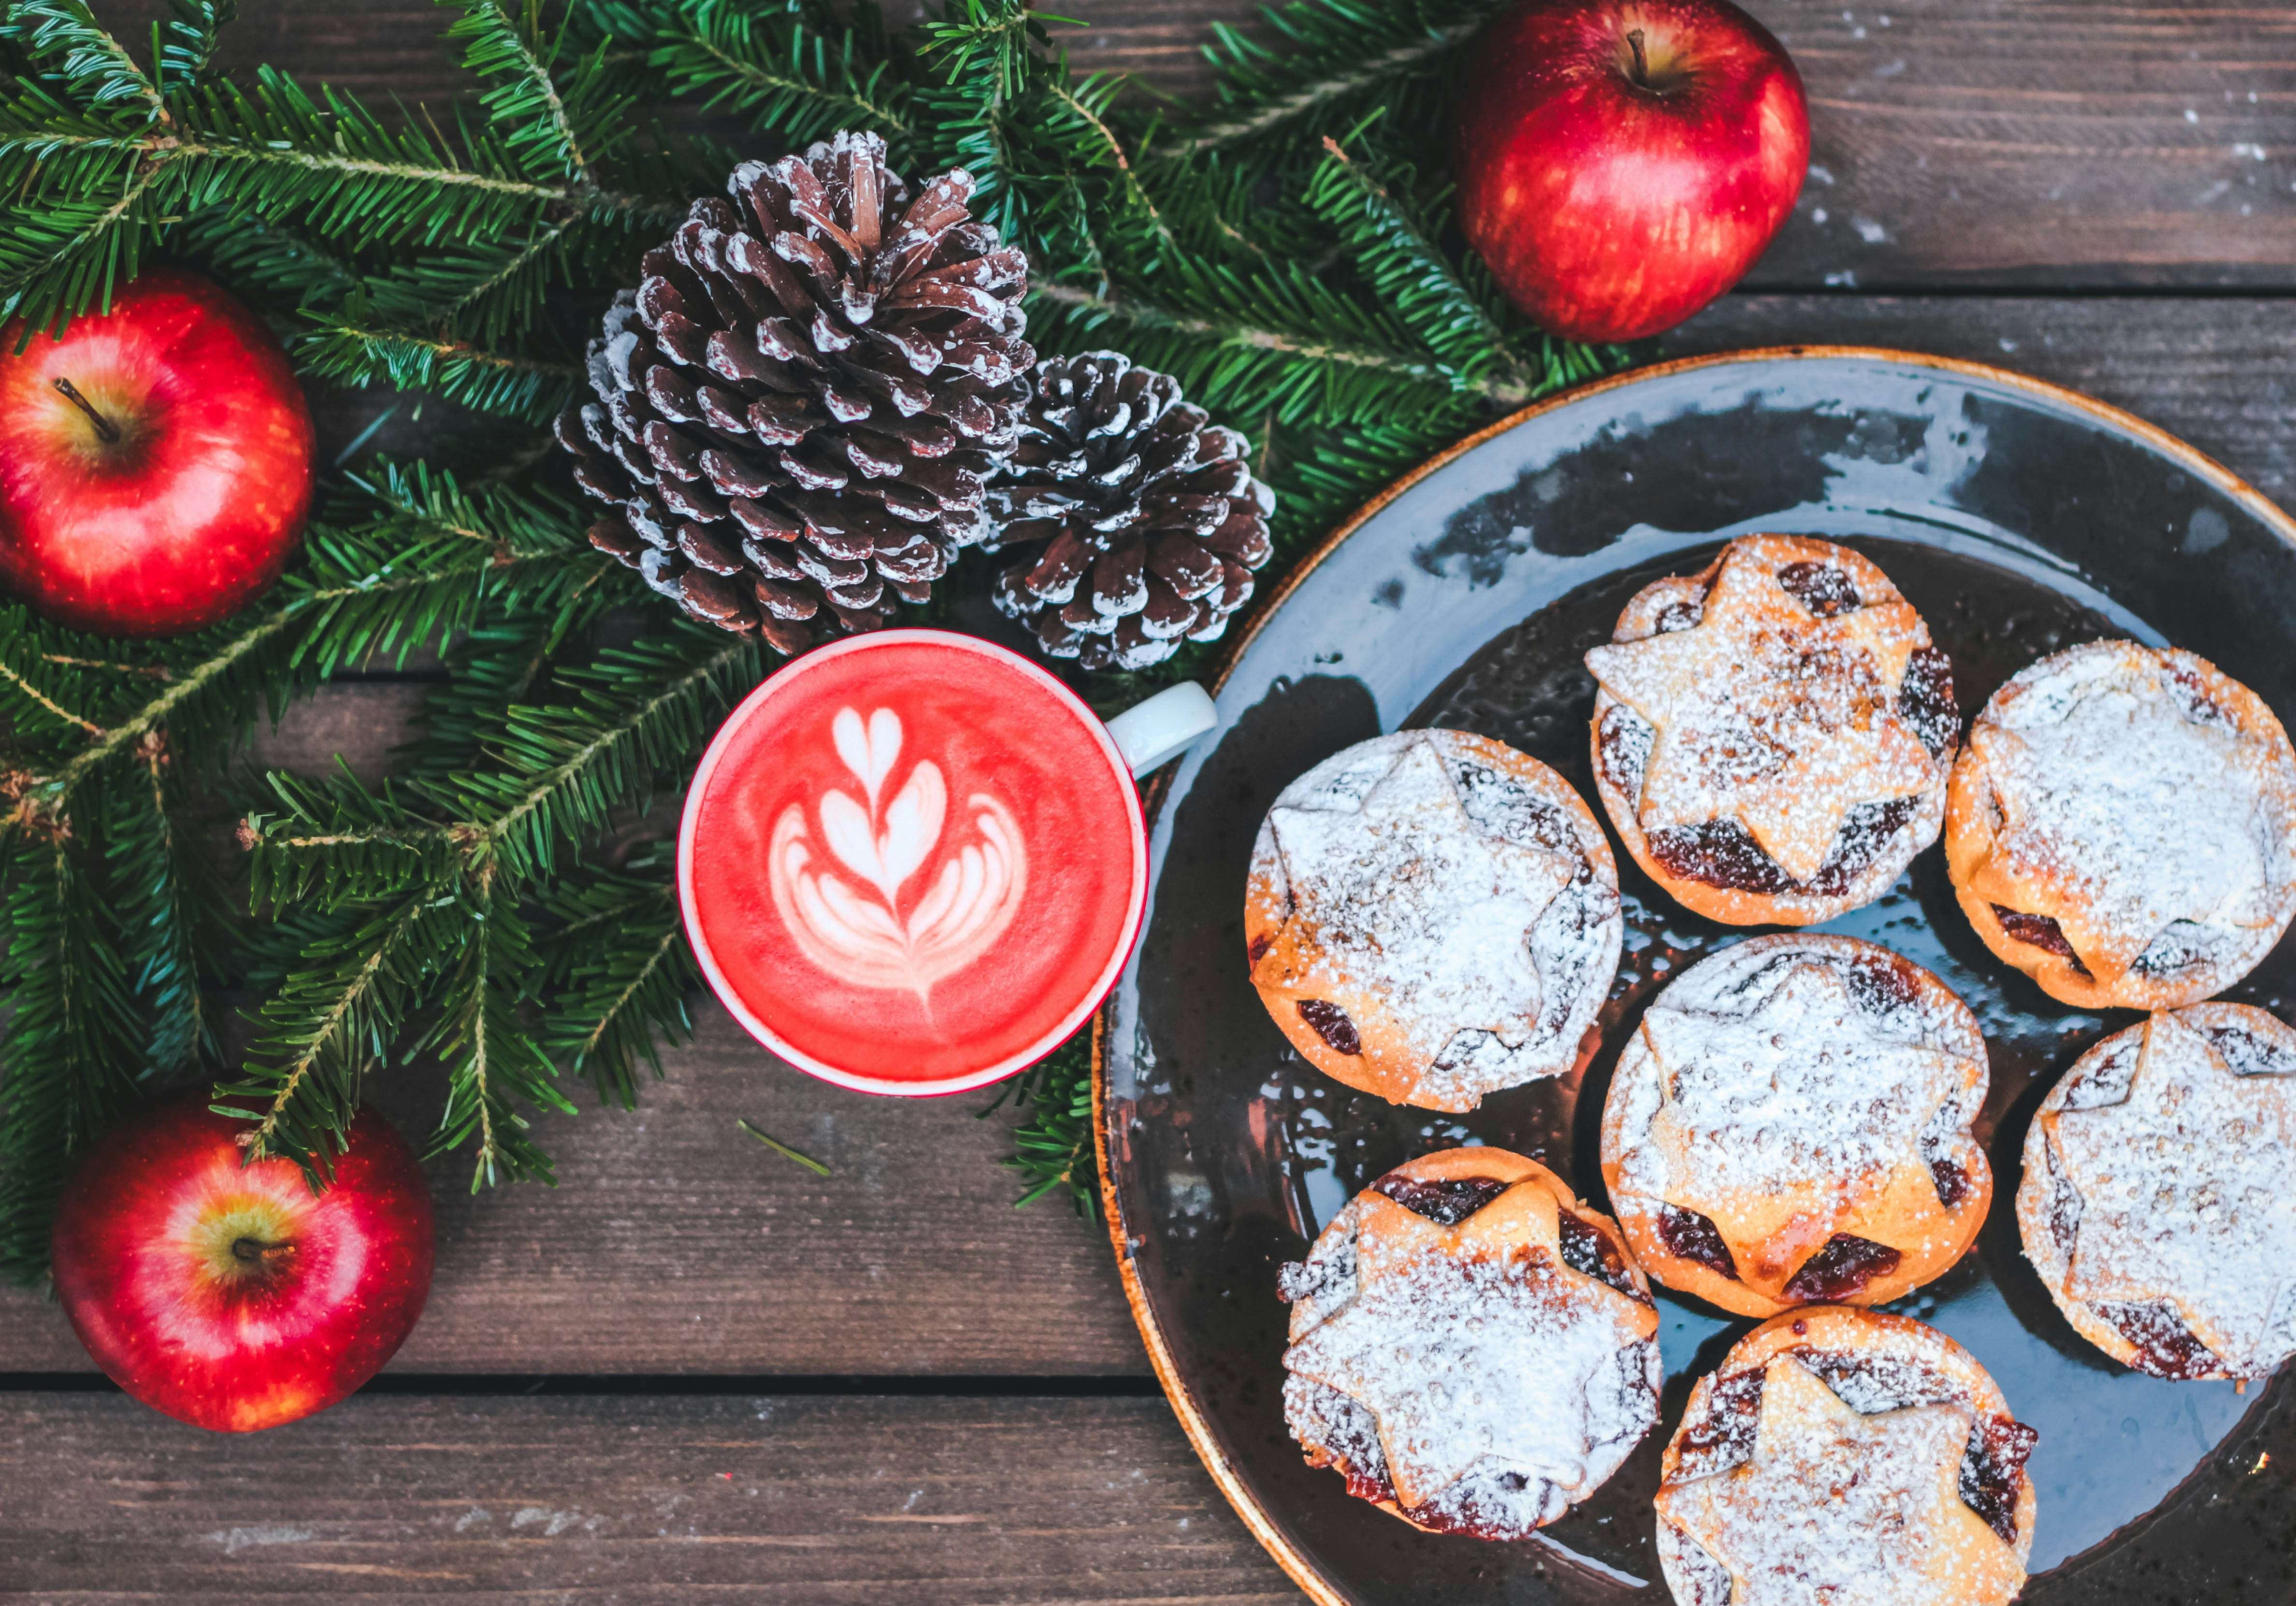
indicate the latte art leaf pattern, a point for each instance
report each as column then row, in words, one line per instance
column 861, row 934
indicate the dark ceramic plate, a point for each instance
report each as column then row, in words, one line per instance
column 2018, row 519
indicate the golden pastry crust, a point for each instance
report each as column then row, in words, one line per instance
column 2158, row 1200
column 1840, row 1453
column 1791, row 1124
column 2122, row 826
column 1472, row 1346
column 1772, row 735
column 1431, row 916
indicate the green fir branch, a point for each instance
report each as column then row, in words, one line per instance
column 792, row 68
column 428, row 558
column 556, row 131
column 168, row 905
column 72, row 1048
column 566, row 770
column 1395, row 250
column 332, row 841
column 530, row 390
column 494, row 1063
column 338, row 984
column 88, row 61
column 1052, row 1146
column 617, row 976
column 186, row 40
column 1326, row 63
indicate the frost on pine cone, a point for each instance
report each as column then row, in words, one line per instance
column 1142, row 519
column 799, row 406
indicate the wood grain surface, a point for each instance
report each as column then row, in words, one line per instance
column 660, row 1501
column 2101, row 192
column 2048, row 144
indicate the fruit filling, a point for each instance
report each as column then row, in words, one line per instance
column 1589, row 1250
column 1678, row 615
column 1991, row 1470
column 1721, row 853
column 1723, row 1437
column 1846, row 1264
column 1951, row 1182
column 1446, row 1201
column 1332, row 1025
column 1822, row 588
column 2040, row 931
column 2165, row 1345
column 1925, row 700
column 1693, row 1237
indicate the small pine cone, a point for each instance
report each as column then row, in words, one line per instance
column 1141, row 517
column 799, row 407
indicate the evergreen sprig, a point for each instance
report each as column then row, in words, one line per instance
column 503, row 904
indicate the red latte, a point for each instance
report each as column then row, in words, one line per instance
column 912, row 863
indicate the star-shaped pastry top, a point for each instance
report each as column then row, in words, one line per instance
column 1782, row 1123
column 1765, row 714
column 1838, row 1508
column 1475, row 1343
column 2119, row 815
column 2188, row 1193
column 1405, row 900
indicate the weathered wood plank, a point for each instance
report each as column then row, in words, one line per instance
column 2219, row 373
column 2083, row 142
column 775, row 1502
column 675, row 1243
column 2031, row 142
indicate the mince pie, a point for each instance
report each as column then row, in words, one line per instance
column 2158, row 1202
column 1841, row 1456
column 1431, row 916
column 2122, row 827
column 1789, row 1125
column 1772, row 735
column 1472, row 1346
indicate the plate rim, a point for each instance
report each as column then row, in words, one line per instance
column 1176, row 1392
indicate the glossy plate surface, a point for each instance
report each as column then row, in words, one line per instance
column 2018, row 519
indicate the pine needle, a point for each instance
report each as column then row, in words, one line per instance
column 784, row 1150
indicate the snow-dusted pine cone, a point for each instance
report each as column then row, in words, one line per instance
column 1140, row 518
column 797, row 407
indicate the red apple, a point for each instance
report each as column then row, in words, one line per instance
column 230, row 1296
column 1622, row 162
column 155, row 463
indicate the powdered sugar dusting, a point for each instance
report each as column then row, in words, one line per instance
column 1504, row 1389
column 1408, row 899
column 2139, row 817
column 1447, row 900
column 1768, row 707
column 1838, row 1507
column 1778, row 1080
column 1798, row 1086
column 2187, row 1187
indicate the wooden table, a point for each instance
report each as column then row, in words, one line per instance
column 697, row 1372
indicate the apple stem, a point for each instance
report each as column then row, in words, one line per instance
column 1634, row 43
column 247, row 1252
column 110, row 433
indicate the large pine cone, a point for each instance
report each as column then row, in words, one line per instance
column 1144, row 519
column 794, row 425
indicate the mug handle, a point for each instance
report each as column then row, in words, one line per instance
column 1162, row 727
